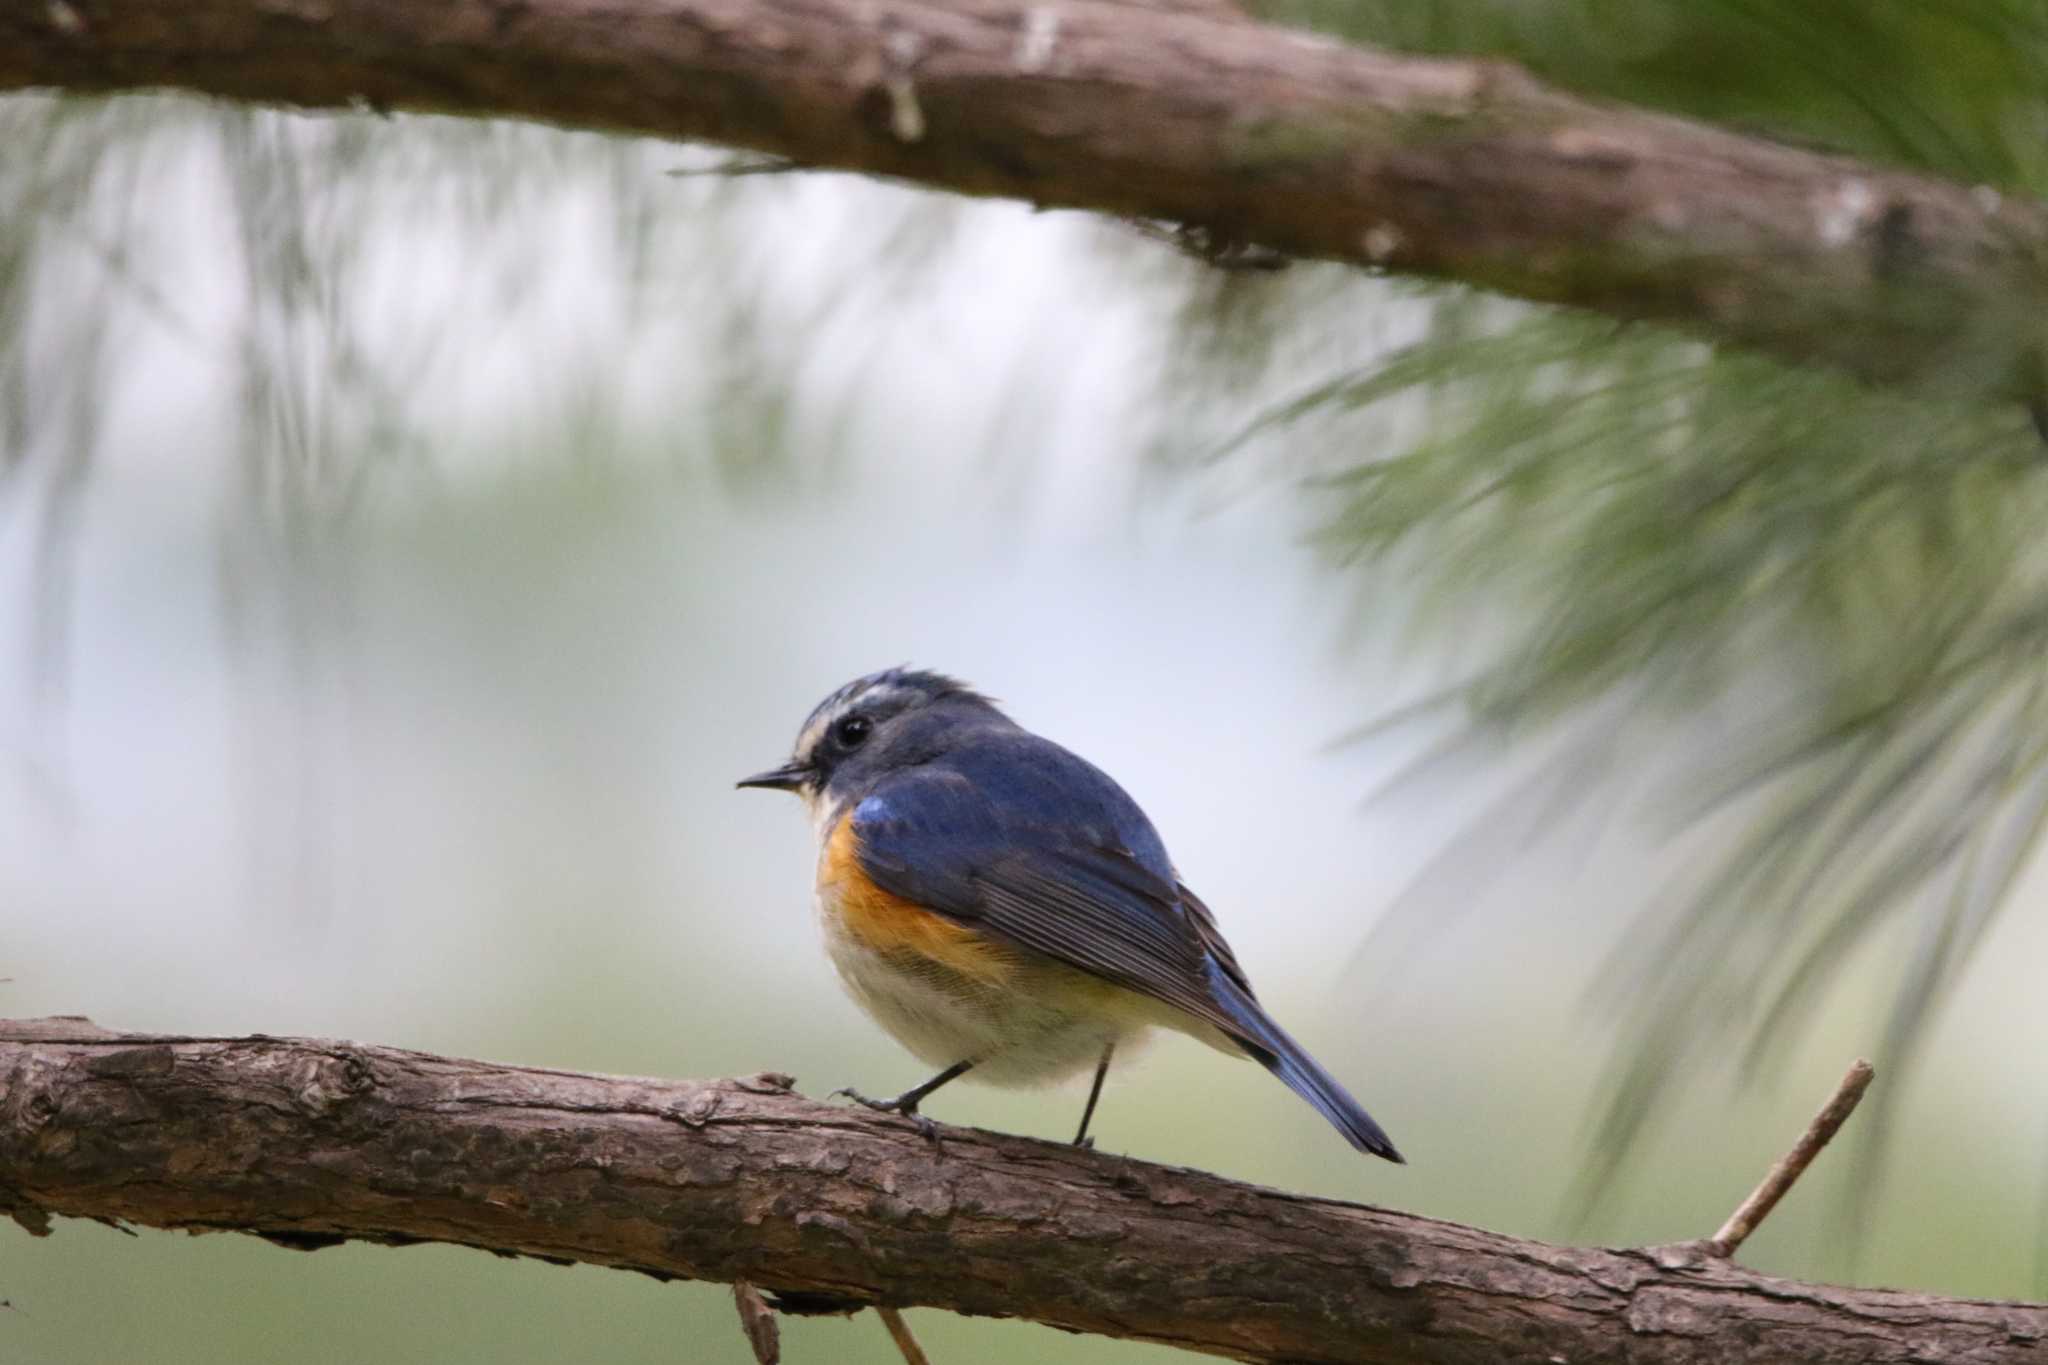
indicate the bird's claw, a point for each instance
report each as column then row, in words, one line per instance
column 1086, row 1144
column 894, row 1105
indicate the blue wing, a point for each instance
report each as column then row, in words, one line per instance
column 1037, row 847
column 1029, row 843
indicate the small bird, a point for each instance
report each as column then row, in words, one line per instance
column 1002, row 907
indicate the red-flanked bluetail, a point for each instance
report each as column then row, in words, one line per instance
column 1003, row 908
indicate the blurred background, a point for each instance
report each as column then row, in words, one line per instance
column 1591, row 742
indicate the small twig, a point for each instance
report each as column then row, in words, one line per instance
column 757, row 1320
column 899, row 1331
column 1792, row 1165
column 732, row 168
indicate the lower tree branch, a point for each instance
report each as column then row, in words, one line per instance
column 309, row 1143
column 1180, row 111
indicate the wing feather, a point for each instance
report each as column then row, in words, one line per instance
column 1082, row 879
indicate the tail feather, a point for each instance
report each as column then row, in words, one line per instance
column 1287, row 1059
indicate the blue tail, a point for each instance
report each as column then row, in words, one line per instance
column 1288, row 1060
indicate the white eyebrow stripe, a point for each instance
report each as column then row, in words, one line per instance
column 887, row 694
column 835, row 707
column 815, row 731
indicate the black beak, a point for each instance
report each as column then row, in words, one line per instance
column 788, row 778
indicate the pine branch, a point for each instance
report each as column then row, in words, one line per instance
column 1247, row 133
column 309, row 1143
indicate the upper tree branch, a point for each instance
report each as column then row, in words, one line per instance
column 1468, row 170
column 308, row 1142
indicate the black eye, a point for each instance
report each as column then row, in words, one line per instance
column 852, row 731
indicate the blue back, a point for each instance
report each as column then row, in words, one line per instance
column 1016, row 836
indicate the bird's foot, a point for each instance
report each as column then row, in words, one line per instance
column 1086, row 1144
column 905, row 1105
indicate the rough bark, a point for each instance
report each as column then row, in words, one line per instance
column 1469, row 170
column 311, row 1142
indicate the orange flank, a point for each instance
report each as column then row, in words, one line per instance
column 887, row 924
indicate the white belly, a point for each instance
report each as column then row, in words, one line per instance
column 1046, row 1023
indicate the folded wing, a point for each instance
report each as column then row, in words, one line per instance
column 1033, row 845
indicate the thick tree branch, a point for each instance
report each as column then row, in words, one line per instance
column 310, row 1142
column 1468, row 170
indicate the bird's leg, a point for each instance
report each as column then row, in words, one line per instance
column 907, row 1102
column 1081, row 1139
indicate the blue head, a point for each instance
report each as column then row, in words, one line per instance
column 873, row 726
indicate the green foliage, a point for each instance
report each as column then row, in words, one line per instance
column 1823, row 608
column 1959, row 87
column 1846, row 586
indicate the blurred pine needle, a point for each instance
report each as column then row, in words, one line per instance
column 1847, row 589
